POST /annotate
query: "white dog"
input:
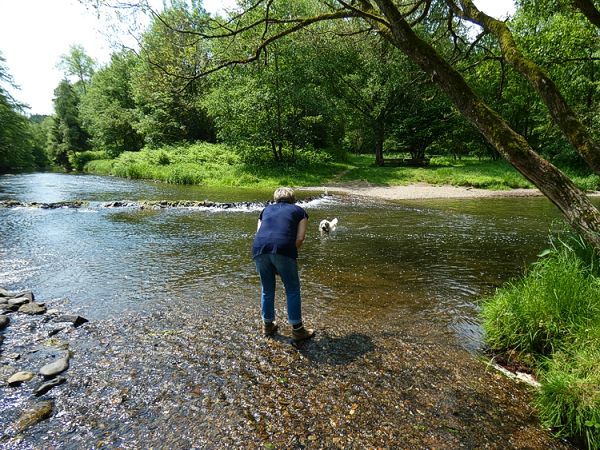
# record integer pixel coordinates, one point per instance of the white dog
(326, 226)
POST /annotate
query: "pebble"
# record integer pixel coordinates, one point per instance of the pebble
(18, 301)
(32, 308)
(55, 367)
(34, 415)
(19, 378)
(6, 372)
(3, 321)
(71, 318)
(47, 385)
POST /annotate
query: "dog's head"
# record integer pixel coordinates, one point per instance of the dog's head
(325, 226)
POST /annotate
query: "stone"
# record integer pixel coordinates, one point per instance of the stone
(19, 378)
(47, 385)
(4, 293)
(6, 372)
(71, 318)
(32, 308)
(18, 301)
(5, 308)
(55, 331)
(3, 300)
(27, 294)
(4, 320)
(55, 367)
(34, 415)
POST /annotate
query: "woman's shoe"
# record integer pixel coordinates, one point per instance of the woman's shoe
(269, 328)
(301, 334)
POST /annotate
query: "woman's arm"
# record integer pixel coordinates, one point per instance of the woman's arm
(301, 234)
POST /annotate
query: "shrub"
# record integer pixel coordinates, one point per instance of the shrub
(569, 398)
(537, 314)
(78, 160)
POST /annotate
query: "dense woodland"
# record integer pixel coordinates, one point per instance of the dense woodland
(336, 87)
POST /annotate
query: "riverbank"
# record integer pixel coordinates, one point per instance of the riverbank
(420, 191)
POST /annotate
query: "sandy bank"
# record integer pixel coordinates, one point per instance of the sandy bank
(421, 191)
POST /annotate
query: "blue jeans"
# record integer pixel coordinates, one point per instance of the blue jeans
(268, 265)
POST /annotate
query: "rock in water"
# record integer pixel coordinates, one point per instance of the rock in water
(18, 301)
(55, 367)
(3, 321)
(32, 308)
(6, 372)
(19, 378)
(71, 318)
(46, 386)
(34, 415)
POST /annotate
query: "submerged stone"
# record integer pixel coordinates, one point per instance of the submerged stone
(6, 372)
(55, 367)
(32, 308)
(4, 320)
(47, 385)
(19, 378)
(72, 318)
(34, 415)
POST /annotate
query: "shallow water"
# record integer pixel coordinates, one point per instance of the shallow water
(386, 260)
(172, 295)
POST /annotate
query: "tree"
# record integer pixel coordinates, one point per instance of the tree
(16, 147)
(168, 105)
(409, 28)
(108, 108)
(78, 64)
(67, 134)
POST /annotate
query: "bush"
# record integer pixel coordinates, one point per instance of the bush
(541, 312)
(569, 398)
(78, 160)
(551, 319)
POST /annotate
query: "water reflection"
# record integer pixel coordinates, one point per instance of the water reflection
(386, 261)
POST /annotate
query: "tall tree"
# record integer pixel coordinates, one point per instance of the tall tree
(171, 55)
(16, 147)
(79, 65)
(108, 108)
(67, 134)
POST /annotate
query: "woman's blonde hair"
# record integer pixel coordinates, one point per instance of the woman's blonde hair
(284, 194)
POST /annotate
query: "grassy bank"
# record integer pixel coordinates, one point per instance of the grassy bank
(550, 321)
(220, 165)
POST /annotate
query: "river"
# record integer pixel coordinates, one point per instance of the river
(172, 356)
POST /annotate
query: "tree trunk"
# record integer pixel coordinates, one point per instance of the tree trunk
(572, 202)
(588, 8)
(379, 140)
(566, 119)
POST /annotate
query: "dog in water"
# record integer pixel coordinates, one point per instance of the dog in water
(327, 226)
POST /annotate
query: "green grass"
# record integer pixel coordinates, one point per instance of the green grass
(471, 172)
(550, 320)
(221, 165)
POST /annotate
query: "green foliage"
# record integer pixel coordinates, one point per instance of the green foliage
(546, 310)
(569, 398)
(78, 160)
(551, 318)
(167, 103)
(17, 146)
(108, 109)
(67, 134)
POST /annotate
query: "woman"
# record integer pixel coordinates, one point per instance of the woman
(280, 233)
